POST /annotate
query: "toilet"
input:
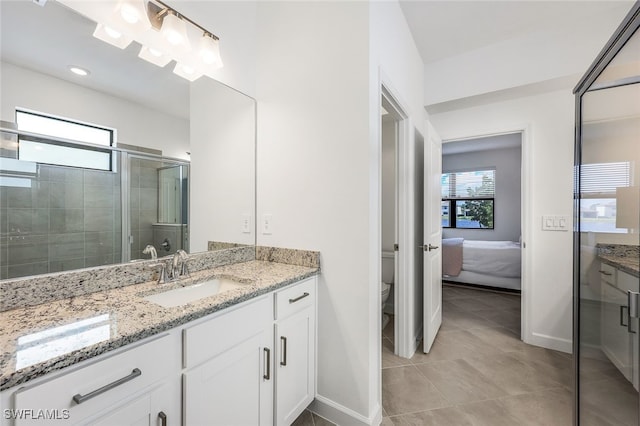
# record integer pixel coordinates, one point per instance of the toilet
(386, 284)
(385, 295)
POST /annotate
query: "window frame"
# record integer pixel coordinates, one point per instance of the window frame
(67, 142)
(452, 200)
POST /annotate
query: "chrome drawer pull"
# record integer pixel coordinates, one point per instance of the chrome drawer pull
(283, 343)
(622, 315)
(305, 294)
(605, 272)
(267, 375)
(79, 399)
(163, 418)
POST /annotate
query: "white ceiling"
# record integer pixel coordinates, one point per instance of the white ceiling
(442, 29)
(48, 39)
(511, 140)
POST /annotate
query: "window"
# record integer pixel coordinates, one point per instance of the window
(66, 146)
(598, 185)
(468, 199)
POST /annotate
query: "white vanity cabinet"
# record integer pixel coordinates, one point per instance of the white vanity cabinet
(249, 364)
(132, 386)
(229, 376)
(619, 340)
(295, 351)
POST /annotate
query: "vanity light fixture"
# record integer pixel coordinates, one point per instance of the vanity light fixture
(174, 29)
(79, 71)
(111, 36)
(209, 50)
(154, 56)
(163, 33)
(187, 71)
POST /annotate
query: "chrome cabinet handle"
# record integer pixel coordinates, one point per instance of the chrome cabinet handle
(79, 399)
(605, 273)
(283, 345)
(622, 309)
(298, 298)
(163, 418)
(267, 358)
(632, 312)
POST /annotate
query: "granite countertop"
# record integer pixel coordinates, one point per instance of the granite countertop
(630, 265)
(39, 339)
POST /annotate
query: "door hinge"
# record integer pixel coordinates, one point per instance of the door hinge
(396, 247)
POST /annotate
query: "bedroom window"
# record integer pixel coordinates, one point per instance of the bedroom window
(600, 186)
(468, 199)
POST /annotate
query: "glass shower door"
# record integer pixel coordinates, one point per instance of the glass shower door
(607, 240)
(156, 200)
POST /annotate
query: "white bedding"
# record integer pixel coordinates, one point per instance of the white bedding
(488, 263)
(498, 258)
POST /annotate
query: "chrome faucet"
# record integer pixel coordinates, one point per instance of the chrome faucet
(149, 249)
(180, 258)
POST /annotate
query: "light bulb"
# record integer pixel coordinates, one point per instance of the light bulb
(187, 72)
(209, 50)
(174, 30)
(129, 13)
(112, 33)
(154, 56)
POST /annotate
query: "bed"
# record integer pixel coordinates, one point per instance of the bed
(485, 263)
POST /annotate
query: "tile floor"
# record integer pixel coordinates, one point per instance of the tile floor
(478, 371)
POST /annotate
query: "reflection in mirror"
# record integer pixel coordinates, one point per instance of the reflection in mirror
(180, 161)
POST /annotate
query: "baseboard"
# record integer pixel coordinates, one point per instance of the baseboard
(343, 416)
(550, 342)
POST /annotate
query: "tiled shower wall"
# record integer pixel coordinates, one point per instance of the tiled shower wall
(68, 219)
(143, 204)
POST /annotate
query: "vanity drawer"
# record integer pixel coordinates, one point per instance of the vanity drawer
(627, 282)
(295, 298)
(110, 380)
(219, 332)
(607, 274)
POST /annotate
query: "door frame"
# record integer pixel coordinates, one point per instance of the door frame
(404, 344)
(526, 164)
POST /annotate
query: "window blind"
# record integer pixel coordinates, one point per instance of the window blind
(604, 178)
(473, 184)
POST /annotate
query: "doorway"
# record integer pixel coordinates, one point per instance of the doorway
(482, 220)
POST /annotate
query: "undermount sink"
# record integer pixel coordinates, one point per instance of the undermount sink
(183, 295)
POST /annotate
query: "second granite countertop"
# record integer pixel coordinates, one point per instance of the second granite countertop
(40, 339)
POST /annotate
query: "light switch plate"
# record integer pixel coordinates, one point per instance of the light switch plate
(267, 224)
(556, 223)
(246, 224)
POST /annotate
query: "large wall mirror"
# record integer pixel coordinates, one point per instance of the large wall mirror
(95, 167)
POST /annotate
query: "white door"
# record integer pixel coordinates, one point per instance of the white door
(432, 254)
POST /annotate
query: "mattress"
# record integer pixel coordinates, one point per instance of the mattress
(497, 258)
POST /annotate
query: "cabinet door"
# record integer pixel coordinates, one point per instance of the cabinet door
(151, 409)
(616, 340)
(233, 388)
(295, 365)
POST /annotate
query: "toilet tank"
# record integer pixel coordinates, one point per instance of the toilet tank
(388, 266)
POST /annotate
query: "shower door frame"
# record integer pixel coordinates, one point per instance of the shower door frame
(125, 178)
(623, 33)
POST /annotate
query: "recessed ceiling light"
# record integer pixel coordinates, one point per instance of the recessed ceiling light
(78, 70)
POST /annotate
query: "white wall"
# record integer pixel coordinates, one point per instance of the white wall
(313, 173)
(319, 156)
(136, 124)
(507, 198)
(222, 165)
(548, 121)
